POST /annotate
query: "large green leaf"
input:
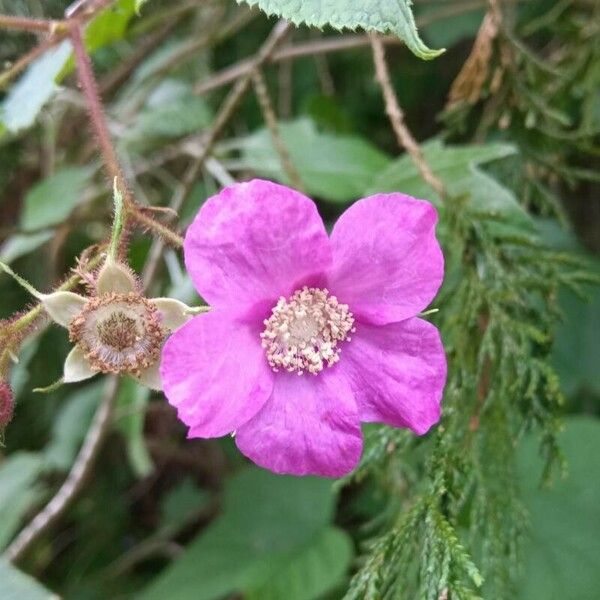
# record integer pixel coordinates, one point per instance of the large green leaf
(309, 572)
(52, 200)
(18, 474)
(459, 168)
(454, 165)
(16, 585)
(339, 168)
(27, 97)
(266, 520)
(384, 16)
(172, 111)
(20, 244)
(561, 557)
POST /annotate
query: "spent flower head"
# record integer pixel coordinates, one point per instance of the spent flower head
(115, 329)
(308, 334)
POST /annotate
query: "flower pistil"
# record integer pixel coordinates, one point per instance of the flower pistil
(302, 334)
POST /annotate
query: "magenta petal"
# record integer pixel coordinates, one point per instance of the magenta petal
(254, 242)
(309, 426)
(387, 263)
(214, 372)
(397, 372)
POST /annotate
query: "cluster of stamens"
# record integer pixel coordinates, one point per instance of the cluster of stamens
(303, 333)
(118, 333)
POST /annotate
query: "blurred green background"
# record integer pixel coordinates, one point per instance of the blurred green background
(163, 517)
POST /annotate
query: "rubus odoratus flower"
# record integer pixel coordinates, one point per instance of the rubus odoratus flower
(308, 335)
(116, 330)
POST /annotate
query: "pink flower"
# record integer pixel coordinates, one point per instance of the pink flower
(308, 334)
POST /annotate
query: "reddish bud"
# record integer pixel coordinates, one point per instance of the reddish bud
(7, 404)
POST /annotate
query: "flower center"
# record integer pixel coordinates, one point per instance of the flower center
(118, 332)
(302, 333)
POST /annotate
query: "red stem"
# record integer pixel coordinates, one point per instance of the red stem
(94, 105)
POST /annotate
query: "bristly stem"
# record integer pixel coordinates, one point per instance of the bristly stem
(94, 105)
(131, 210)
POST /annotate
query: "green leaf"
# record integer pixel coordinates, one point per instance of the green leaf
(173, 119)
(310, 572)
(110, 25)
(561, 557)
(130, 415)
(16, 585)
(454, 165)
(51, 201)
(28, 96)
(18, 474)
(181, 503)
(20, 245)
(384, 16)
(459, 168)
(577, 343)
(492, 202)
(339, 168)
(265, 518)
(70, 426)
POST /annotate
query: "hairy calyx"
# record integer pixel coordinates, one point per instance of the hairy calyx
(303, 333)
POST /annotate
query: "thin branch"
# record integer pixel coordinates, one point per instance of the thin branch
(29, 24)
(75, 481)
(227, 110)
(292, 51)
(264, 100)
(284, 88)
(396, 116)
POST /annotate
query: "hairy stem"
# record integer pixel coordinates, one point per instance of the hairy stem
(94, 105)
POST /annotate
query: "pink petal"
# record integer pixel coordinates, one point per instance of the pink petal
(309, 426)
(397, 372)
(214, 371)
(253, 243)
(387, 263)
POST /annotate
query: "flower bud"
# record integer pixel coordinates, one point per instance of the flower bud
(115, 277)
(7, 404)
